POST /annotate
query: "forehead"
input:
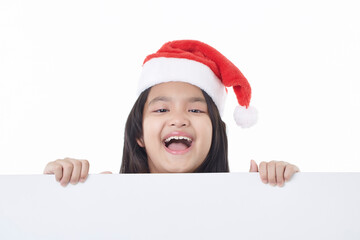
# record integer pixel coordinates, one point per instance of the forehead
(179, 90)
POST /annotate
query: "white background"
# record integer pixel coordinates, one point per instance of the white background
(69, 69)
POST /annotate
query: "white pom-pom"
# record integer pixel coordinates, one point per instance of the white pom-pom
(245, 117)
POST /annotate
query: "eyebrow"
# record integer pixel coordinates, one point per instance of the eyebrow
(159, 99)
(168, 99)
(197, 99)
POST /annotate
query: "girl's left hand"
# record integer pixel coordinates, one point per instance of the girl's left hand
(274, 172)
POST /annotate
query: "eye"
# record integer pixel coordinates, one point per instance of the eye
(195, 111)
(162, 110)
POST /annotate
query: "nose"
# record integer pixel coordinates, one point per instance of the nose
(179, 119)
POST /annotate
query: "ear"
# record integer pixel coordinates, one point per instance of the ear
(140, 142)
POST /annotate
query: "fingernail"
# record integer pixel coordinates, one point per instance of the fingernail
(64, 184)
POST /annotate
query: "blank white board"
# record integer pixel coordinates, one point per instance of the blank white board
(181, 206)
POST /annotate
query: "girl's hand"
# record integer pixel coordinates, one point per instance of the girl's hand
(68, 170)
(274, 172)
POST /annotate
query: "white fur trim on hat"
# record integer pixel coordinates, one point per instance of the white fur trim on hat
(245, 117)
(162, 69)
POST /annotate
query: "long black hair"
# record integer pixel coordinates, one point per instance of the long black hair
(135, 159)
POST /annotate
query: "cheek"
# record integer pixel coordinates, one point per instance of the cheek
(209, 131)
(205, 131)
(151, 130)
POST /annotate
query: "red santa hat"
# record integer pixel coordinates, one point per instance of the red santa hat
(201, 65)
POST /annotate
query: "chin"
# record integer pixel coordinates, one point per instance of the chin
(176, 169)
(173, 164)
(179, 169)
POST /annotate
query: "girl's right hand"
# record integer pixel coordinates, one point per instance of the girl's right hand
(68, 170)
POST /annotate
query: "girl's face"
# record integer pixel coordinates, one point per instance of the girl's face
(177, 130)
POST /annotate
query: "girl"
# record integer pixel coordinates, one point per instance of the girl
(175, 124)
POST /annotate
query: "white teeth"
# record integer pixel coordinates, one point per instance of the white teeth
(177, 138)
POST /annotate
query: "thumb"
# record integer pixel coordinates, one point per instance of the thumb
(253, 166)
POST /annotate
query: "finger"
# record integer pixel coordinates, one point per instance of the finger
(106, 172)
(75, 175)
(263, 172)
(289, 171)
(54, 168)
(67, 171)
(271, 173)
(280, 168)
(253, 166)
(84, 170)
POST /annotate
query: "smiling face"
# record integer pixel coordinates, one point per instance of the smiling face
(177, 129)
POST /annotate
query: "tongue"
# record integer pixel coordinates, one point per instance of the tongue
(177, 146)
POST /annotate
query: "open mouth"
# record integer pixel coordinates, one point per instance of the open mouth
(178, 143)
